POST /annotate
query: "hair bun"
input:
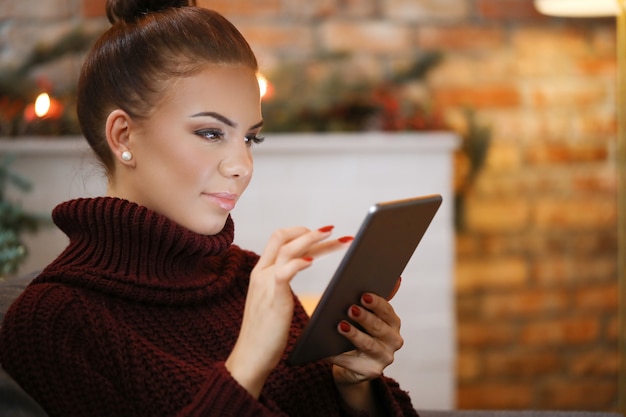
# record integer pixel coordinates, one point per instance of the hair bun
(131, 10)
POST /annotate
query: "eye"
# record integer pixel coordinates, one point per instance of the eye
(210, 134)
(253, 139)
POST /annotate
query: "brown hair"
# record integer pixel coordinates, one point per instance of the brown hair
(151, 44)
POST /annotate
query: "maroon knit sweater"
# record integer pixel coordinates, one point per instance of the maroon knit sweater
(136, 318)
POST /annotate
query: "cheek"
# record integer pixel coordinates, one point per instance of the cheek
(173, 169)
(197, 167)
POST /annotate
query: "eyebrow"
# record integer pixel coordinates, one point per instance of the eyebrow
(223, 119)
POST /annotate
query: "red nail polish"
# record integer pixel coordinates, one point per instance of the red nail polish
(355, 311)
(368, 299)
(308, 258)
(345, 239)
(344, 326)
(325, 229)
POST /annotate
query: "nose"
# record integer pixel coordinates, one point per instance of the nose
(237, 161)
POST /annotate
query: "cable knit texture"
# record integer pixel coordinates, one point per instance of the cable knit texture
(136, 318)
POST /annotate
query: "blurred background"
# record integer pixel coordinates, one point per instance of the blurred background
(534, 101)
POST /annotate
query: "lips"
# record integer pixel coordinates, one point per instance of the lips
(226, 201)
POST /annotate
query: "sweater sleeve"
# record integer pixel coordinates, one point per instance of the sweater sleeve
(70, 365)
(396, 402)
(223, 396)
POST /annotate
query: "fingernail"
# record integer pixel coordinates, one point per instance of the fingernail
(308, 258)
(326, 229)
(368, 299)
(344, 326)
(355, 311)
(346, 239)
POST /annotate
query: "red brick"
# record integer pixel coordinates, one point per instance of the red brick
(594, 66)
(93, 8)
(525, 304)
(494, 274)
(25, 13)
(238, 8)
(562, 332)
(495, 244)
(468, 307)
(575, 214)
(573, 94)
(556, 271)
(553, 271)
(601, 181)
(460, 37)
(596, 268)
(599, 362)
(468, 365)
(495, 395)
(488, 96)
(602, 298)
(331, 9)
(554, 46)
(504, 158)
(613, 329)
(372, 36)
(278, 37)
(508, 10)
(552, 154)
(426, 11)
(590, 394)
(522, 364)
(480, 335)
(497, 215)
(466, 244)
(597, 123)
(602, 246)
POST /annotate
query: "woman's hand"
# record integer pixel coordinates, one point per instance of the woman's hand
(269, 304)
(375, 351)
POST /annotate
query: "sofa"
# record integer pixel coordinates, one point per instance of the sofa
(15, 402)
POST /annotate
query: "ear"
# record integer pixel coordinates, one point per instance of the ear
(118, 135)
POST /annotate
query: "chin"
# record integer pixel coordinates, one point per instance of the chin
(211, 229)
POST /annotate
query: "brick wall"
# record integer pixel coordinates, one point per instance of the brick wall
(536, 285)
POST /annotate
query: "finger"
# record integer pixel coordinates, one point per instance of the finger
(287, 271)
(299, 246)
(376, 327)
(381, 308)
(278, 238)
(367, 345)
(330, 246)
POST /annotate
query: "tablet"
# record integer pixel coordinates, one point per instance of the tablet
(373, 263)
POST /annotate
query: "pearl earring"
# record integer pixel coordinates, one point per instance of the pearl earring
(127, 156)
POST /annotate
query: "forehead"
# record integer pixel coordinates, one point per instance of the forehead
(214, 85)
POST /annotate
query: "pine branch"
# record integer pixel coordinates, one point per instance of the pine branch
(75, 41)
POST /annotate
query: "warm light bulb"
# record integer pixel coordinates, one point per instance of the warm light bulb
(42, 105)
(262, 84)
(578, 8)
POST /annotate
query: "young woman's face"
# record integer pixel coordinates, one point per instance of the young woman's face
(192, 157)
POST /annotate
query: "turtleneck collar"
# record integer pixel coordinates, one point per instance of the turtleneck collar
(125, 242)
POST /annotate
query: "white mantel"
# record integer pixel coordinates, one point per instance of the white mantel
(311, 180)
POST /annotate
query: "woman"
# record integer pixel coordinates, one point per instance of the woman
(151, 310)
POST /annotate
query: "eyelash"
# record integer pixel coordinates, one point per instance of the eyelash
(215, 134)
(254, 139)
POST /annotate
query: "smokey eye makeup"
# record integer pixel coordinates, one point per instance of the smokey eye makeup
(254, 139)
(210, 134)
